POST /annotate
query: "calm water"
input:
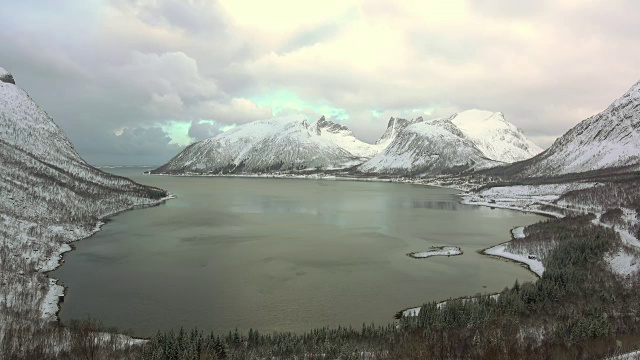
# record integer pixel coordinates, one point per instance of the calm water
(282, 254)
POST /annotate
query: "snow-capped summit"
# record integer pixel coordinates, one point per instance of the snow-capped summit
(287, 143)
(498, 139)
(40, 167)
(394, 126)
(24, 125)
(6, 76)
(342, 136)
(469, 140)
(606, 140)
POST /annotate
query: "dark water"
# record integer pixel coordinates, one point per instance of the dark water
(282, 254)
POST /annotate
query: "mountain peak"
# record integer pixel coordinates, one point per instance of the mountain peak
(633, 94)
(329, 125)
(606, 140)
(6, 77)
(287, 144)
(466, 140)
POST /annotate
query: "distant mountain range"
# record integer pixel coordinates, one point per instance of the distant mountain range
(465, 141)
(275, 145)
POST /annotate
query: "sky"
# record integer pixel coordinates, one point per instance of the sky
(134, 82)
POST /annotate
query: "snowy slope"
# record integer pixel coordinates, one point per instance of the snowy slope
(279, 144)
(48, 197)
(395, 126)
(469, 140)
(498, 139)
(6, 76)
(606, 140)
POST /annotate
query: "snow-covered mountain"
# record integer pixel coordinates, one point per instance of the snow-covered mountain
(288, 143)
(38, 158)
(395, 126)
(469, 140)
(498, 139)
(610, 139)
(48, 197)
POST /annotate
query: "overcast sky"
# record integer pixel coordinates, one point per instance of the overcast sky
(133, 82)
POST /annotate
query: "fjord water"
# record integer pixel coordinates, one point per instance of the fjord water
(282, 254)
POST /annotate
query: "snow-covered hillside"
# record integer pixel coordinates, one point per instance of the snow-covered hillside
(48, 197)
(288, 143)
(606, 140)
(394, 127)
(498, 139)
(468, 140)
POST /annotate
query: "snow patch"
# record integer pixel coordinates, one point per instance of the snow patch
(623, 263)
(437, 251)
(518, 232)
(534, 265)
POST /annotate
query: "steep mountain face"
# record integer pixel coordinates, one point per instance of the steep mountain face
(466, 141)
(608, 140)
(38, 158)
(277, 144)
(6, 76)
(395, 126)
(48, 197)
(498, 139)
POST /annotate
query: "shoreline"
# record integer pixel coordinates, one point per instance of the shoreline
(403, 180)
(466, 199)
(436, 251)
(60, 291)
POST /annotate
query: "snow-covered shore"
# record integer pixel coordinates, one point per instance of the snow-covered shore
(540, 199)
(415, 311)
(436, 251)
(38, 250)
(51, 305)
(532, 264)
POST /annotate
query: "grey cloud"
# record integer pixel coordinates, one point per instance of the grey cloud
(508, 8)
(159, 61)
(311, 36)
(202, 130)
(193, 16)
(138, 146)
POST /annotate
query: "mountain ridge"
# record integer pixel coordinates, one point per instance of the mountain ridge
(265, 146)
(466, 141)
(607, 140)
(288, 143)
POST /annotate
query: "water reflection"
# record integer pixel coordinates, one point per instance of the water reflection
(273, 204)
(428, 204)
(285, 255)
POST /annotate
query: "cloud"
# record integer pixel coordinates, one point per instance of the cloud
(200, 130)
(137, 146)
(190, 67)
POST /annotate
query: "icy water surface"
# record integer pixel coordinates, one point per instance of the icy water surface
(282, 254)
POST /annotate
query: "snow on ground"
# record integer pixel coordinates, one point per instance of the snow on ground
(623, 263)
(416, 310)
(518, 233)
(634, 355)
(437, 251)
(532, 198)
(546, 191)
(625, 235)
(534, 265)
(529, 198)
(526, 205)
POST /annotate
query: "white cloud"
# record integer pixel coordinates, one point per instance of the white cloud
(236, 110)
(143, 63)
